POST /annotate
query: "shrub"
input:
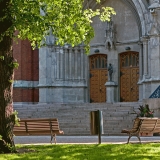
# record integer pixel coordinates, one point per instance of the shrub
(144, 111)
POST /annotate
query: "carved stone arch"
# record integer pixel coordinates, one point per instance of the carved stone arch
(142, 11)
(146, 3)
(138, 8)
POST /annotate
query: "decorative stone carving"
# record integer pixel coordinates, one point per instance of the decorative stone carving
(154, 26)
(110, 35)
(110, 70)
(50, 39)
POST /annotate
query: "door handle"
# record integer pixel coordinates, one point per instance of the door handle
(131, 88)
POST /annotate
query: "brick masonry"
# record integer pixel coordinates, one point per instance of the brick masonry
(26, 95)
(28, 70)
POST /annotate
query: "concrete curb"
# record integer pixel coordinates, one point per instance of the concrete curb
(83, 139)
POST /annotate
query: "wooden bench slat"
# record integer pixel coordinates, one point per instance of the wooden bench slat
(39, 119)
(42, 122)
(38, 127)
(148, 126)
(149, 123)
(30, 125)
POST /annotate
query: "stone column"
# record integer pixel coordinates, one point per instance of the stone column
(61, 59)
(155, 57)
(57, 56)
(82, 62)
(145, 57)
(53, 64)
(86, 76)
(66, 71)
(76, 64)
(141, 62)
(42, 74)
(70, 63)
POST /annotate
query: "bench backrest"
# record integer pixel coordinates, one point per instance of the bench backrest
(36, 127)
(149, 125)
(136, 125)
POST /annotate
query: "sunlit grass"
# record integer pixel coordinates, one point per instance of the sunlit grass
(150, 151)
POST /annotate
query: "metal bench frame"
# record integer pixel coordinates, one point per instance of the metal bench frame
(143, 125)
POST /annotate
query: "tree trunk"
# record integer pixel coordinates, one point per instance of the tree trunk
(6, 80)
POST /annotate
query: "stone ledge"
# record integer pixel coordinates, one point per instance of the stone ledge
(25, 84)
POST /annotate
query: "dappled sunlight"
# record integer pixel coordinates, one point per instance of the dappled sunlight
(150, 151)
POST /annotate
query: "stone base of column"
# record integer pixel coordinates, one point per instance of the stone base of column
(110, 90)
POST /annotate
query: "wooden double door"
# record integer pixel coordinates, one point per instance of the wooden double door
(129, 75)
(98, 78)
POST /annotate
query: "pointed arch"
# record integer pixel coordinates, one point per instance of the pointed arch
(139, 9)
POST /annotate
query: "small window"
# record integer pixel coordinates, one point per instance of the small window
(129, 59)
(98, 61)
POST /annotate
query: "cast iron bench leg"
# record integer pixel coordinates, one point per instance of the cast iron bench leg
(55, 138)
(130, 135)
(53, 135)
(138, 138)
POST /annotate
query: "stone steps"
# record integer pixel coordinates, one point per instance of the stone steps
(74, 119)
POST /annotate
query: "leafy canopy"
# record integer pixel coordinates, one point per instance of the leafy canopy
(67, 19)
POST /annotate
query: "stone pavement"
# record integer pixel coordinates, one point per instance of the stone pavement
(82, 139)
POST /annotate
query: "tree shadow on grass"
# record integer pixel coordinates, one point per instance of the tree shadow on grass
(90, 152)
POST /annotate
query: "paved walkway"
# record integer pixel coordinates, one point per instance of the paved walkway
(82, 139)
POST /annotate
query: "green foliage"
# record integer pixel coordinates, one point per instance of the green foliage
(7, 145)
(68, 20)
(144, 111)
(87, 152)
(10, 147)
(14, 65)
(106, 13)
(16, 119)
(1, 57)
(11, 81)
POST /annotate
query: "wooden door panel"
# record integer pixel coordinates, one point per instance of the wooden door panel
(97, 85)
(103, 80)
(98, 77)
(134, 86)
(129, 74)
(125, 85)
(94, 83)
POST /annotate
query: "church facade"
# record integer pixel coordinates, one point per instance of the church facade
(123, 64)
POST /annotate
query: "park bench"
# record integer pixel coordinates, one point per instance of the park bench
(37, 127)
(143, 125)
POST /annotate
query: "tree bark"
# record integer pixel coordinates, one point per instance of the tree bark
(6, 80)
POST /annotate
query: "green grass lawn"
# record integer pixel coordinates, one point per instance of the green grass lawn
(150, 151)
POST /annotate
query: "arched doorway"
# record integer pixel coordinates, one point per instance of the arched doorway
(98, 78)
(129, 75)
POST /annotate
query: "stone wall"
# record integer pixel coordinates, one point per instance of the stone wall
(63, 74)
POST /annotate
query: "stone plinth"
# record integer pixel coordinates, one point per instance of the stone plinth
(110, 89)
